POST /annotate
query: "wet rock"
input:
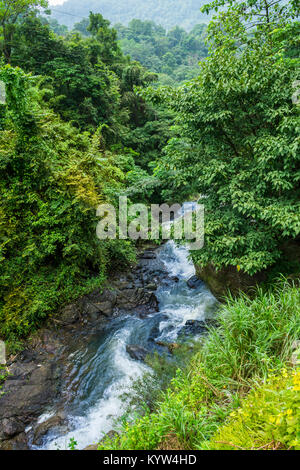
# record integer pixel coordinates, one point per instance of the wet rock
(155, 331)
(196, 327)
(106, 308)
(228, 278)
(148, 255)
(137, 352)
(125, 285)
(29, 388)
(99, 304)
(153, 303)
(18, 442)
(150, 306)
(56, 423)
(151, 287)
(27, 356)
(194, 282)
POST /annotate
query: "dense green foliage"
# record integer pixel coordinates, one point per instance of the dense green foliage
(253, 338)
(89, 82)
(51, 180)
(238, 142)
(175, 54)
(168, 13)
(10, 13)
(70, 138)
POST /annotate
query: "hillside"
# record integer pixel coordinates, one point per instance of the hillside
(168, 13)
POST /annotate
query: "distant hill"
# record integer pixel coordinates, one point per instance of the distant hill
(168, 13)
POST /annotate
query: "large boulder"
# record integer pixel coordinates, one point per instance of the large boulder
(194, 327)
(136, 352)
(197, 327)
(228, 279)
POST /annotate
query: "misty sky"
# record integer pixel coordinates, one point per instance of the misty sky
(56, 2)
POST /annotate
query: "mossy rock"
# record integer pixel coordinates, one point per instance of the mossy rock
(228, 279)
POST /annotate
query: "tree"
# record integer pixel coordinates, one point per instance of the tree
(10, 12)
(248, 21)
(239, 146)
(52, 178)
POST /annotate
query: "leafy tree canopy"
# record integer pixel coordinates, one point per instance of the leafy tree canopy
(239, 143)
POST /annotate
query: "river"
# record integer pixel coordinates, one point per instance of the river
(102, 370)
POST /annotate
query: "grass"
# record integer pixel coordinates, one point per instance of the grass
(254, 340)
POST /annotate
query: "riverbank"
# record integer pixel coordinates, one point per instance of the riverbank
(255, 349)
(36, 375)
(69, 381)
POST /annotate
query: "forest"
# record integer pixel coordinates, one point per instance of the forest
(174, 55)
(193, 111)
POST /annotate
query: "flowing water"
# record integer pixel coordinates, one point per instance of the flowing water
(103, 370)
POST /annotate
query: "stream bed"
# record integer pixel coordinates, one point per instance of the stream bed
(101, 370)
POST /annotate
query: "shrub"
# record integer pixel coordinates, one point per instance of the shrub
(269, 417)
(51, 180)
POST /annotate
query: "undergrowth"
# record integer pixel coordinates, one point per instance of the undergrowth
(249, 349)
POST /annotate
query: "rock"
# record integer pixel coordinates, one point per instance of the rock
(69, 315)
(56, 422)
(149, 307)
(29, 388)
(99, 304)
(148, 255)
(151, 287)
(228, 278)
(18, 442)
(105, 308)
(173, 346)
(137, 352)
(194, 282)
(196, 327)
(295, 359)
(155, 331)
(92, 312)
(92, 447)
(153, 303)
(11, 427)
(125, 285)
